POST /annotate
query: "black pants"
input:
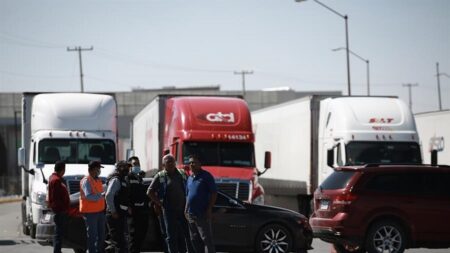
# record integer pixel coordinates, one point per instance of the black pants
(60, 220)
(138, 226)
(117, 236)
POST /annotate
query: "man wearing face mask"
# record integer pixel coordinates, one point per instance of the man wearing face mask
(117, 207)
(92, 206)
(138, 221)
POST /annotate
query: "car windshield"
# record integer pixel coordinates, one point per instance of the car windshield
(359, 153)
(76, 151)
(220, 153)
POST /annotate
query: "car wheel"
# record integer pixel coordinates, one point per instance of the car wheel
(386, 236)
(273, 238)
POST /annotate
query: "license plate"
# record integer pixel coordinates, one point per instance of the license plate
(324, 204)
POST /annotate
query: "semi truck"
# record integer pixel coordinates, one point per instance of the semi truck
(218, 129)
(433, 131)
(309, 136)
(71, 127)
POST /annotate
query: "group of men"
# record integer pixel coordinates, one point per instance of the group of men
(183, 204)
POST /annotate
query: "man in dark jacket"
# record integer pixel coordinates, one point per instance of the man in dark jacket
(117, 205)
(138, 221)
(58, 200)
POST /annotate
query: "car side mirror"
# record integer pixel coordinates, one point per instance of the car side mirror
(330, 158)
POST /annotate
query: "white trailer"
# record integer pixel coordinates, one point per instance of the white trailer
(433, 132)
(309, 134)
(71, 127)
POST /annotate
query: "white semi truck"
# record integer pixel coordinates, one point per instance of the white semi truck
(71, 127)
(309, 136)
(433, 132)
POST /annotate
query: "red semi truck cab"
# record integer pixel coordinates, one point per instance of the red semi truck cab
(218, 129)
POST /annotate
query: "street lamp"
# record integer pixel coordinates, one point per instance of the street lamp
(345, 17)
(367, 65)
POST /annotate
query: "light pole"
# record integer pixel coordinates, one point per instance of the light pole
(345, 17)
(362, 59)
(438, 75)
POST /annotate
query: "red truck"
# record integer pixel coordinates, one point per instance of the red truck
(216, 128)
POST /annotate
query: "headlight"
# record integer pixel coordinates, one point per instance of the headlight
(40, 198)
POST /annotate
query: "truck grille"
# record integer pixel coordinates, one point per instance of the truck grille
(239, 190)
(74, 186)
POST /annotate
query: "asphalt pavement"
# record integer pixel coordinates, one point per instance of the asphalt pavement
(13, 241)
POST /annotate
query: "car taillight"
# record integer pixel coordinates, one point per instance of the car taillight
(345, 198)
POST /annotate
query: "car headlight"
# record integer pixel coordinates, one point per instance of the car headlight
(40, 198)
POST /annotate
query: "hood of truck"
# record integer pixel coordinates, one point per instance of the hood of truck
(72, 170)
(220, 172)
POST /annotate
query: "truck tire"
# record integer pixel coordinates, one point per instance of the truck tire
(386, 235)
(33, 231)
(25, 228)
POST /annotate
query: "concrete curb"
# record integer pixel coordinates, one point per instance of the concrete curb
(9, 199)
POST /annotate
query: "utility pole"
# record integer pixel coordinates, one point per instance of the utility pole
(79, 49)
(439, 85)
(410, 85)
(243, 73)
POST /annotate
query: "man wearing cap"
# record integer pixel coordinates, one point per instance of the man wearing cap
(92, 206)
(117, 207)
(58, 201)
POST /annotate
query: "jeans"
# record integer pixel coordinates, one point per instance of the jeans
(177, 232)
(117, 229)
(95, 226)
(201, 234)
(60, 220)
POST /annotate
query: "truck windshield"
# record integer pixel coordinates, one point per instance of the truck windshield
(359, 153)
(220, 153)
(76, 151)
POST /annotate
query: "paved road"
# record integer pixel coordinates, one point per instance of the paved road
(13, 241)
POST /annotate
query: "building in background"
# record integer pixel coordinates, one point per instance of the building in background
(128, 105)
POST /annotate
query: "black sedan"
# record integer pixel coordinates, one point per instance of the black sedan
(237, 227)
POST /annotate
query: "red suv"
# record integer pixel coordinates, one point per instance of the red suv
(384, 208)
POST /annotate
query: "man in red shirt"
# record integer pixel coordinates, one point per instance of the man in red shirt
(58, 200)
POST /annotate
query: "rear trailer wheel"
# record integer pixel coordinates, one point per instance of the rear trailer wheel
(273, 238)
(386, 237)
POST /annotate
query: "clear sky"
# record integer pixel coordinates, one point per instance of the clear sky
(156, 43)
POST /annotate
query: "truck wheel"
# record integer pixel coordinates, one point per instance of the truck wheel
(33, 231)
(386, 236)
(25, 229)
(273, 238)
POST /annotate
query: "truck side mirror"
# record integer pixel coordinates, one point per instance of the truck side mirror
(330, 158)
(434, 157)
(21, 157)
(267, 160)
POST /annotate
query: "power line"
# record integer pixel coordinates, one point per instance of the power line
(27, 42)
(79, 50)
